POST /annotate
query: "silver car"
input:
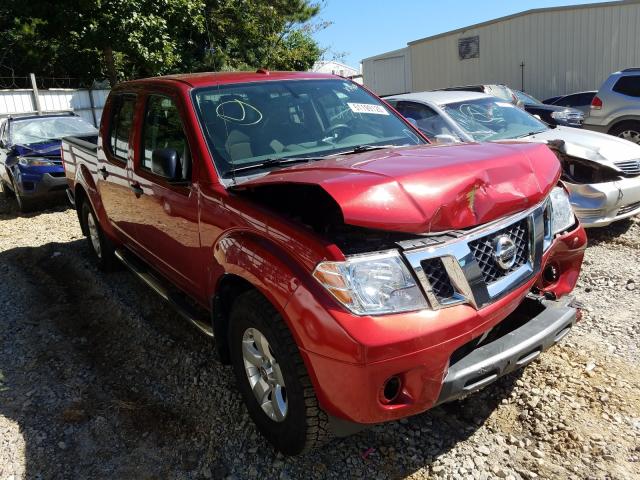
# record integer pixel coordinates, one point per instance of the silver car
(616, 107)
(601, 172)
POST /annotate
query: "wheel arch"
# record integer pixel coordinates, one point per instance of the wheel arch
(625, 119)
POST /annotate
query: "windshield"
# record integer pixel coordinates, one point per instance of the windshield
(526, 99)
(249, 123)
(487, 119)
(38, 130)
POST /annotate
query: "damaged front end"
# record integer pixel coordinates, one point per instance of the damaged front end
(601, 191)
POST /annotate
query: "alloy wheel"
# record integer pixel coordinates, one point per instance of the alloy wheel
(264, 375)
(631, 135)
(94, 235)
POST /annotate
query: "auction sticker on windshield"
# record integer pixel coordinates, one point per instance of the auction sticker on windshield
(367, 108)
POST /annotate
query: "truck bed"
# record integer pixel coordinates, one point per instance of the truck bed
(77, 150)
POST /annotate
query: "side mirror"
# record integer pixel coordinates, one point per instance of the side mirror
(520, 104)
(446, 139)
(164, 162)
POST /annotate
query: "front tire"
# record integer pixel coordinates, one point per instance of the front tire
(25, 205)
(627, 130)
(100, 246)
(272, 378)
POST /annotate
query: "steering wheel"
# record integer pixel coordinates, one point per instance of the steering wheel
(338, 131)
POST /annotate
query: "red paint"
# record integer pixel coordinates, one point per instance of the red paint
(196, 235)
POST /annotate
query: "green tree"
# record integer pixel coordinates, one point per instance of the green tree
(248, 34)
(123, 39)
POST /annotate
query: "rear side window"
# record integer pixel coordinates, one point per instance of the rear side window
(121, 124)
(576, 100)
(163, 129)
(628, 86)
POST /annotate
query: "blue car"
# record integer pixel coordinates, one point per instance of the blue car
(30, 162)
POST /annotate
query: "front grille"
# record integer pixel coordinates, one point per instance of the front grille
(56, 174)
(460, 268)
(630, 167)
(438, 278)
(629, 208)
(483, 250)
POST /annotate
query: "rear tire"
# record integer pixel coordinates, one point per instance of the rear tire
(100, 246)
(304, 426)
(627, 130)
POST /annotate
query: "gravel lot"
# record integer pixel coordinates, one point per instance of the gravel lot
(98, 378)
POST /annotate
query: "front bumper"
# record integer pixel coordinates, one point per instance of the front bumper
(543, 324)
(425, 349)
(35, 185)
(599, 204)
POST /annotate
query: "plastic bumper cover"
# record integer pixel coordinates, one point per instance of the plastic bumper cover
(599, 204)
(485, 364)
(41, 184)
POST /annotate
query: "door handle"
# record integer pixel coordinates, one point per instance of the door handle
(103, 171)
(137, 189)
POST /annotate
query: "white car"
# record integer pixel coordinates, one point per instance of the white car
(601, 172)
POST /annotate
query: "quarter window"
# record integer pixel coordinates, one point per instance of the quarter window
(163, 129)
(628, 86)
(121, 125)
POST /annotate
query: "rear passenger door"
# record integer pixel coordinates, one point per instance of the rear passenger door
(115, 156)
(166, 210)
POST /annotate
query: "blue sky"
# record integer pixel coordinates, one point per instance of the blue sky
(364, 28)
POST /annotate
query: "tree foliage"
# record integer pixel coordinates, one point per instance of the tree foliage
(123, 39)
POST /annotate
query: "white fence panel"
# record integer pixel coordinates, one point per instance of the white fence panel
(21, 102)
(16, 101)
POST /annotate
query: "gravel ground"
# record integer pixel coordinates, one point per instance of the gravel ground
(98, 378)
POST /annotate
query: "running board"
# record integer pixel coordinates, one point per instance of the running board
(174, 299)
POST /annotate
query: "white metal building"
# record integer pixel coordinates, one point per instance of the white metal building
(546, 52)
(335, 68)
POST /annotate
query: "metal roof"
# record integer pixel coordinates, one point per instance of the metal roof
(439, 97)
(218, 78)
(527, 12)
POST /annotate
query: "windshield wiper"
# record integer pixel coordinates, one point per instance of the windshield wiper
(273, 162)
(367, 148)
(529, 134)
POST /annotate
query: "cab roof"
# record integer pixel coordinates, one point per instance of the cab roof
(206, 79)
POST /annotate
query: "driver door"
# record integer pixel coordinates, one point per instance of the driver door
(165, 210)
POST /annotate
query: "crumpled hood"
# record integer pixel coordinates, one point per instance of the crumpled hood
(47, 149)
(598, 147)
(428, 188)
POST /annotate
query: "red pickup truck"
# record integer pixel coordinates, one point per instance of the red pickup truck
(350, 273)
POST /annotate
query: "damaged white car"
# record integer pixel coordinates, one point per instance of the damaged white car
(601, 172)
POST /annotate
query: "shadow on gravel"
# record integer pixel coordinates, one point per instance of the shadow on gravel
(9, 207)
(104, 379)
(606, 234)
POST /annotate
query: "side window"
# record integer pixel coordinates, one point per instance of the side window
(121, 124)
(628, 86)
(163, 129)
(426, 119)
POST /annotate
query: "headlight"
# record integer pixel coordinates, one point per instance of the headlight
(372, 284)
(562, 216)
(35, 162)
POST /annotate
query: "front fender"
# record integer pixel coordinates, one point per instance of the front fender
(274, 272)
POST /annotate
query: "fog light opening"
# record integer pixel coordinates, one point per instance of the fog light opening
(551, 274)
(391, 389)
